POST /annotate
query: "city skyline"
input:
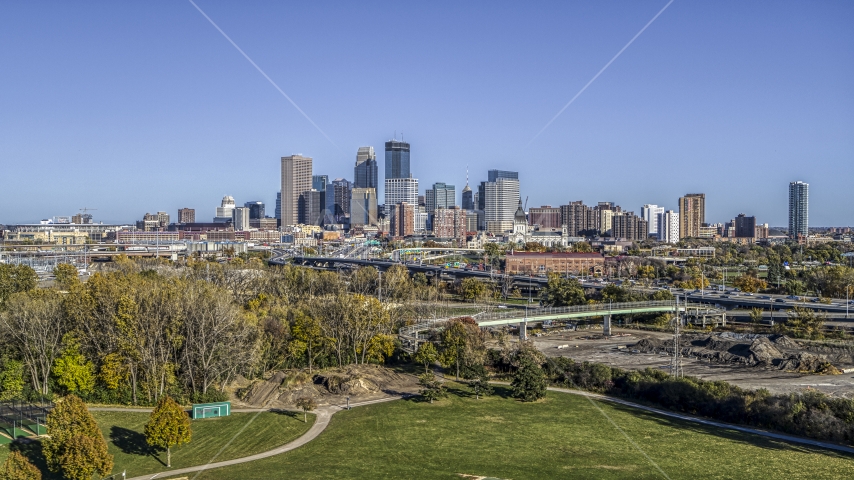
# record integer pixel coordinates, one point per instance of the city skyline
(751, 100)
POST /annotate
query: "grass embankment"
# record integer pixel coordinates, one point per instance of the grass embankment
(124, 434)
(562, 436)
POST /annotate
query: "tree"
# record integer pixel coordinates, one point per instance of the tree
(582, 247)
(481, 386)
(12, 380)
(472, 288)
(431, 387)
(749, 283)
(65, 451)
(306, 329)
(84, 456)
(17, 467)
(306, 404)
(167, 426)
(529, 381)
(66, 275)
(453, 343)
(802, 323)
(560, 292)
(73, 371)
(16, 279)
(426, 355)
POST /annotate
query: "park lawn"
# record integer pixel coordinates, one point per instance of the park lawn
(562, 436)
(126, 441)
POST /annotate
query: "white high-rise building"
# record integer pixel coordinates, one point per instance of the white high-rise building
(399, 190)
(224, 211)
(668, 226)
(240, 216)
(500, 203)
(650, 213)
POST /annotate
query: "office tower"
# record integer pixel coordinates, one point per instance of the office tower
(402, 219)
(396, 160)
(493, 175)
(186, 215)
(223, 212)
(628, 226)
(468, 198)
(419, 222)
(296, 180)
(692, 214)
(338, 194)
(668, 227)
(441, 195)
(745, 227)
(310, 212)
(650, 214)
(500, 202)
(545, 216)
(480, 204)
(279, 207)
(473, 220)
(319, 182)
(256, 209)
(799, 202)
(240, 218)
(363, 207)
(399, 190)
(366, 172)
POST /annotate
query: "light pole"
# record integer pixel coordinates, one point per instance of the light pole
(847, 301)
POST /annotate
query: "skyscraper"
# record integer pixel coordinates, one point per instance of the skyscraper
(256, 209)
(468, 198)
(441, 195)
(799, 206)
(310, 212)
(399, 190)
(279, 206)
(745, 227)
(319, 183)
(493, 175)
(296, 180)
(338, 194)
(223, 212)
(363, 207)
(692, 214)
(366, 172)
(240, 218)
(396, 159)
(186, 215)
(650, 214)
(500, 202)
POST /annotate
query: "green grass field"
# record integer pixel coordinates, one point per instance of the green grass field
(124, 434)
(563, 436)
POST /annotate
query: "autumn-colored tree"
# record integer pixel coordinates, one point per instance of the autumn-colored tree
(65, 451)
(306, 404)
(73, 371)
(66, 276)
(168, 425)
(749, 283)
(17, 467)
(426, 355)
(12, 380)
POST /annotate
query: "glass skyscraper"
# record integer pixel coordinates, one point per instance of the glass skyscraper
(396, 159)
(366, 171)
(496, 174)
(799, 206)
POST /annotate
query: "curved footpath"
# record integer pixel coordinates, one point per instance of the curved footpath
(324, 414)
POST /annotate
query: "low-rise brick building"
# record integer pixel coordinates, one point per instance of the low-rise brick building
(564, 263)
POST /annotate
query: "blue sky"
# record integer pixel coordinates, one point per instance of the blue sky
(138, 107)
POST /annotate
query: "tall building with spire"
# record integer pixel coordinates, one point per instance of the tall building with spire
(468, 195)
(397, 159)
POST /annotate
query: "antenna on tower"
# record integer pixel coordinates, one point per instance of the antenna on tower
(467, 175)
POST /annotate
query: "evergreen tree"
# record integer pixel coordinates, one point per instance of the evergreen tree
(431, 387)
(529, 381)
(167, 426)
(64, 451)
(17, 467)
(481, 386)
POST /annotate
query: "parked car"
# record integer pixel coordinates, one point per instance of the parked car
(780, 300)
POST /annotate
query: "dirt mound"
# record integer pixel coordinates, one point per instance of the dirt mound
(335, 385)
(763, 351)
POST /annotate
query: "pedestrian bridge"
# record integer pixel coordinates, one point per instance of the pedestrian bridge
(411, 335)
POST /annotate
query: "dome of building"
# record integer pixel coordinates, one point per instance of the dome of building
(520, 216)
(228, 201)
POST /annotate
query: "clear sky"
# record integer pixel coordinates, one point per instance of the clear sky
(135, 107)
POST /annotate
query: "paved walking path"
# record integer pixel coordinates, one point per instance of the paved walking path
(322, 417)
